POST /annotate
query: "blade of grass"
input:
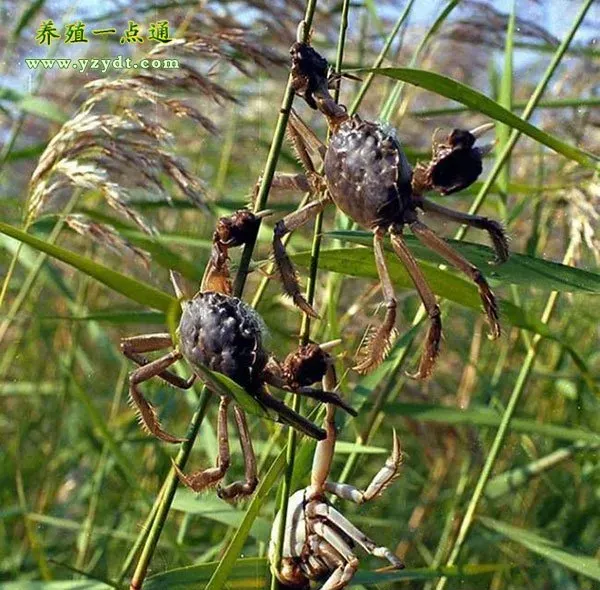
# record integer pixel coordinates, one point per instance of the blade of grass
(170, 485)
(581, 564)
(551, 103)
(507, 419)
(486, 417)
(131, 288)
(391, 102)
(384, 51)
(509, 481)
(250, 573)
(464, 94)
(519, 269)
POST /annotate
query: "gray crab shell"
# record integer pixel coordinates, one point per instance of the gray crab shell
(368, 175)
(226, 335)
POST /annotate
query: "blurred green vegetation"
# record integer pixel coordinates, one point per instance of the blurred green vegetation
(486, 500)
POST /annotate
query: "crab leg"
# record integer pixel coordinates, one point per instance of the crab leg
(284, 265)
(306, 142)
(434, 334)
(332, 516)
(242, 488)
(337, 549)
(132, 347)
(325, 450)
(494, 228)
(435, 243)
(288, 416)
(380, 342)
(329, 397)
(387, 474)
(291, 181)
(272, 378)
(202, 479)
(323, 456)
(341, 577)
(147, 413)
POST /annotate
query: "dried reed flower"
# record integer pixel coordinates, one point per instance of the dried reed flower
(125, 150)
(583, 205)
(106, 236)
(105, 152)
(486, 26)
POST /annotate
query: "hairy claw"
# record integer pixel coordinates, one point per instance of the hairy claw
(378, 344)
(431, 349)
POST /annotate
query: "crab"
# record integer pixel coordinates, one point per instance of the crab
(318, 540)
(222, 333)
(367, 176)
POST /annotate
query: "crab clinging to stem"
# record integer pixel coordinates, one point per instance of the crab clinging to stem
(222, 333)
(318, 540)
(367, 175)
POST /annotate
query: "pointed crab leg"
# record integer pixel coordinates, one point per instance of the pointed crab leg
(323, 456)
(135, 345)
(146, 410)
(379, 343)
(493, 228)
(238, 489)
(435, 243)
(330, 515)
(434, 334)
(285, 268)
(387, 474)
(204, 478)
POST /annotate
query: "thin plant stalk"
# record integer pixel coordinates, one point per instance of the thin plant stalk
(145, 529)
(170, 487)
(238, 288)
(271, 164)
(305, 328)
(475, 206)
(25, 290)
(384, 51)
(388, 108)
(85, 537)
(518, 389)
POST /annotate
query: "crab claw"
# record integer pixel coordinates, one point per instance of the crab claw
(481, 130)
(485, 149)
(327, 346)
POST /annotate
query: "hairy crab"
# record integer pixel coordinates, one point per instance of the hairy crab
(318, 540)
(367, 176)
(224, 334)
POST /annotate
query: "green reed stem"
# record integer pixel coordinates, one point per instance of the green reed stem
(518, 389)
(171, 482)
(271, 164)
(384, 51)
(169, 487)
(305, 328)
(23, 295)
(389, 107)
